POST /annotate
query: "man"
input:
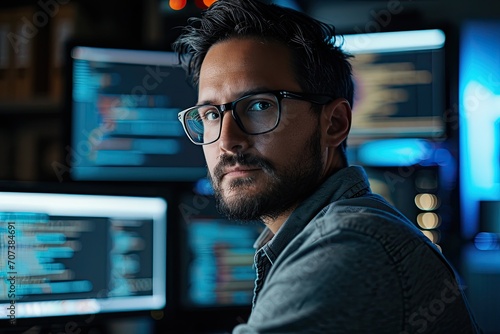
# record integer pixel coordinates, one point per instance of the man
(273, 115)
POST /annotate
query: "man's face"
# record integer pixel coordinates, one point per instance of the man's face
(266, 175)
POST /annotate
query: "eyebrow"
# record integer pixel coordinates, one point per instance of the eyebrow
(256, 90)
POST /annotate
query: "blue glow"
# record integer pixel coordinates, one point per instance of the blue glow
(393, 41)
(203, 187)
(154, 58)
(119, 158)
(51, 238)
(486, 241)
(55, 287)
(53, 267)
(157, 146)
(480, 261)
(448, 170)
(394, 152)
(288, 3)
(479, 94)
(60, 252)
(27, 217)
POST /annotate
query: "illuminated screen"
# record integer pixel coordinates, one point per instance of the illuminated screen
(124, 106)
(220, 264)
(65, 255)
(399, 84)
(479, 110)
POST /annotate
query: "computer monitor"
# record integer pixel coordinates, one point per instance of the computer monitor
(399, 80)
(220, 267)
(77, 254)
(216, 254)
(123, 105)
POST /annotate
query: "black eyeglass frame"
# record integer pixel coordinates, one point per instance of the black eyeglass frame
(319, 99)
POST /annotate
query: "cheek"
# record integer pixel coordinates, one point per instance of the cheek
(282, 147)
(210, 156)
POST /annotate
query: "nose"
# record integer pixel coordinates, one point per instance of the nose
(232, 138)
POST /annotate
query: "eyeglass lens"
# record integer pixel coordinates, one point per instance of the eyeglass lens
(254, 114)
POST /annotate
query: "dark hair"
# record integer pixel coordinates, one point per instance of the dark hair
(319, 63)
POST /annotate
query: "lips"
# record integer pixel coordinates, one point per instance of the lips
(238, 171)
(240, 165)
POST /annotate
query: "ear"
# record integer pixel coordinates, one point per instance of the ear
(335, 122)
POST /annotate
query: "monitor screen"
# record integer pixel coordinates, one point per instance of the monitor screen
(220, 267)
(124, 127)
(81, 254)
(217, 254)
(399, 80)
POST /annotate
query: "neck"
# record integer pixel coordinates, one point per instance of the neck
(275, 223)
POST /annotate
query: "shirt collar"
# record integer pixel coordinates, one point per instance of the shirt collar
(345, 183)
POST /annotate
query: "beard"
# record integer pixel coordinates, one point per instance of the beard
(284, 188)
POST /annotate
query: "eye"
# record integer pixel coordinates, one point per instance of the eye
(211, 115)
(260, 106)
(208, 113)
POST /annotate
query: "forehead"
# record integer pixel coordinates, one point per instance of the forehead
(237, 66)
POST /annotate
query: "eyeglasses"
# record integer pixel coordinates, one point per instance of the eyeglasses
(255, 114)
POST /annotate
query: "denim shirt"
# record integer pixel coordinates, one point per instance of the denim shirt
(346, 261)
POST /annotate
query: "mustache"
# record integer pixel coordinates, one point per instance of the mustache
(244, 160)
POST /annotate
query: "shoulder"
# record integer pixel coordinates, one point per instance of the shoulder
(333, 275)
(361, 256)
(366, 239)
(369, 216)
